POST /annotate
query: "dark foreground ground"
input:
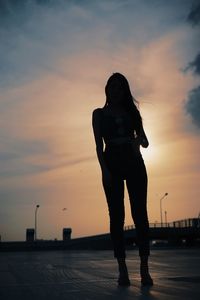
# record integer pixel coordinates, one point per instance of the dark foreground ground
(92, 275)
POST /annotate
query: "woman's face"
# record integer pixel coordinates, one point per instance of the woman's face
(115, 92)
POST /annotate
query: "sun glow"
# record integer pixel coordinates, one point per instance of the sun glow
(150, 154)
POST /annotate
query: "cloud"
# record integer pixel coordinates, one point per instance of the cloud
(194, 15)
(194, 65)
(8, 7)
(193, 106)
(51, 115)
(35, 34)
(194, 19)
(17, 157)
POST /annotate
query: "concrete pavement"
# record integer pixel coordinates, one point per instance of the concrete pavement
(92, 275)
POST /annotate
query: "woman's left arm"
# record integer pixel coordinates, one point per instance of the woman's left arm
(142, 138)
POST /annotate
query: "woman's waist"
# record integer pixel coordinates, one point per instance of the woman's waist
(122, 150)
(123, 156)
(120, 140)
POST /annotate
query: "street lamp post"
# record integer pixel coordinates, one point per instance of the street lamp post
(161, 219)
(36, 209)
(165, 218)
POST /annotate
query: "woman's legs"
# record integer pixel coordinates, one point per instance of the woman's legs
(123, 272)
(144, 271)
(115, 199)
(136, 182)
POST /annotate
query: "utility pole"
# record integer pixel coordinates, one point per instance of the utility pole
(161, 219)
(36, 209)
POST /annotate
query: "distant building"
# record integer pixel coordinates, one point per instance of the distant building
(30, 233)
(67, 234)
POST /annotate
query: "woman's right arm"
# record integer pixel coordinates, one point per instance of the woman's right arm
(96, 121)
(143, 138)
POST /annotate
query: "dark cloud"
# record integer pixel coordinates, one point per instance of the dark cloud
(35, 34)
(194, 15)
(16, 13)
(195, 65)
(192, 106)
(7, 6)
(28, 39)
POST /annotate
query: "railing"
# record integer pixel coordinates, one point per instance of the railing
(151, 225)
(192, 222)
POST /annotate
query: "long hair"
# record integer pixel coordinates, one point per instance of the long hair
(129, 102)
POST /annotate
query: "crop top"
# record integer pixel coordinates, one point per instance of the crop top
(117, 128)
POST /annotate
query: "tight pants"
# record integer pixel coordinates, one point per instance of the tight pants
(124, 165)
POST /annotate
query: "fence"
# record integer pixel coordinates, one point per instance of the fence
(192, 222)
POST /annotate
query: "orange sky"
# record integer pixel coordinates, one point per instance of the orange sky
(48, 151)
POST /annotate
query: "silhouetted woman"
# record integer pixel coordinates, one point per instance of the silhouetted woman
(118, 125)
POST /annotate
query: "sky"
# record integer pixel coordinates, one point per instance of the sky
(55, 59)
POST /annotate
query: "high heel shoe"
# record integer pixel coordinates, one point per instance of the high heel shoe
(146, 280)
(123, 281)
(145, 276)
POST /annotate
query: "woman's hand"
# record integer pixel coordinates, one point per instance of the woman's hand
(136, 145)
(142, 138)
(143, 141)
